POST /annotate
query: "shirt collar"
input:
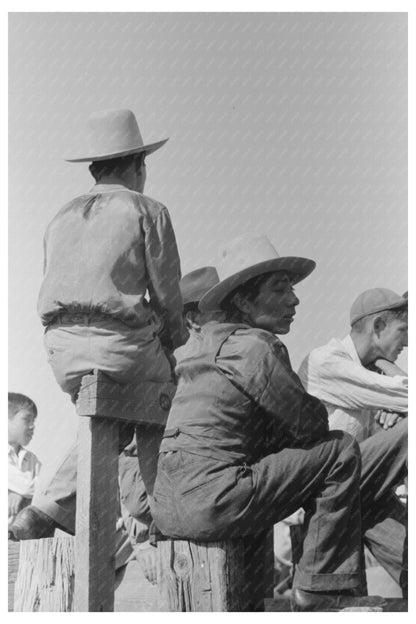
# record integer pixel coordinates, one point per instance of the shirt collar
(101, 188)
(350, 348)
(20, 452)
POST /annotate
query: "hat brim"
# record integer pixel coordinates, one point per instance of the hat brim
(297, 268)
(148, 149)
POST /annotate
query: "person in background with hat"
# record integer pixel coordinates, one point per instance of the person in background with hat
(193, 286)
(110, 297)
(363, 389)
(245, 445)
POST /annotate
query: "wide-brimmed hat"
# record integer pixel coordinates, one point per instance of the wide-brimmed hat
(195, 284)
(113, 133)
(247, 257)
(376, 300)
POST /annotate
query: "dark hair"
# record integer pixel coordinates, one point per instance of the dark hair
(191, 306)
(249, 290)
(114, 166)
(18, 402)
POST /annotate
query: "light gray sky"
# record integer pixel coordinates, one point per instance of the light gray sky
(290, 124)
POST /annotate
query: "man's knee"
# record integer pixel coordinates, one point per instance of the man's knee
(345, 450)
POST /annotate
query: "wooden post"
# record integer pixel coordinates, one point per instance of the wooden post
(45, 577)
(13, 548)
(198, 576)
(102, 403)
(97, 504)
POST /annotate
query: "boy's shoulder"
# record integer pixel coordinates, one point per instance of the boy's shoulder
(143, 204)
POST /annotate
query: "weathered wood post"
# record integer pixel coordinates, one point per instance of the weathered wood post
(96, 516)
(46, 572)
(101, 404)
(229, 575)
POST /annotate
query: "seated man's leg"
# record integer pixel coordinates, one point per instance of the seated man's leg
(384, 466)
(324, 480)
(55, 495)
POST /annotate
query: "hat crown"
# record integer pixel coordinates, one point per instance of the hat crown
(375, 300)
(244, 252)
(113, 130)
(195, 284)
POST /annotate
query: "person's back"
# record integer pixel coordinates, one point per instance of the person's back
(104, 250)
(110, 298)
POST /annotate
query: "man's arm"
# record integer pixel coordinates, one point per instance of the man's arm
(163, 268)
(389, 368)
(262, 370)
(303, 416)
(347, 384)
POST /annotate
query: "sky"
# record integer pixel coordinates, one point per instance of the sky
(292, 125)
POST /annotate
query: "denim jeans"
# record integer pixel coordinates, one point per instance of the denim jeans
(201, 498)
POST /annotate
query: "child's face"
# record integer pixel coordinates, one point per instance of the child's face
(21, 427)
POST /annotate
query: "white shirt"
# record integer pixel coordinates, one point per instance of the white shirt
(24, 467)
(351, 393)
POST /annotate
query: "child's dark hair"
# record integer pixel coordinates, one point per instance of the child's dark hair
(18, 402)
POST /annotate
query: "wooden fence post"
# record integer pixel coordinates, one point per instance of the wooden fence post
(45, 577)
(96, 516)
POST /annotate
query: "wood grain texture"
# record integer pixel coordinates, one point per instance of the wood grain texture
(13, 556)
(45, 578)
(196, 576)
(97, 504)
(141, 402)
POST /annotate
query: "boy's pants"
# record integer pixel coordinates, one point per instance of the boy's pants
(75, 346)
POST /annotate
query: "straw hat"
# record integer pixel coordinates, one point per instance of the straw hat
(113, 133)
(195, 284)
(246, 257)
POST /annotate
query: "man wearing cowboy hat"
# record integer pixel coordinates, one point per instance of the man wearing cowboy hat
(110, 297)
(245, 445)
(345, 376)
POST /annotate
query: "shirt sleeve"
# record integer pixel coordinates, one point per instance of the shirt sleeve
(347, 384)
(163, 267)
(264, 373)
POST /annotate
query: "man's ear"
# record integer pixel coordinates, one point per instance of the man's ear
(379, 324)
(241, 303)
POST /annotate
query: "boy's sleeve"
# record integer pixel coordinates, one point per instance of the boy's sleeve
(164, 273)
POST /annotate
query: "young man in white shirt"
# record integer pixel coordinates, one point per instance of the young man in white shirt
(366, 394)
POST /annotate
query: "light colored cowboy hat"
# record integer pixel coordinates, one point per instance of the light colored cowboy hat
(113, 133)
(247, 257)
(195, 284)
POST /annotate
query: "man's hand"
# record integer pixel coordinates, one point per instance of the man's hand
(146, 556)
(16, 502)
(388, 419)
